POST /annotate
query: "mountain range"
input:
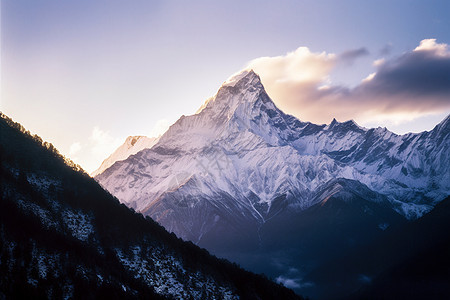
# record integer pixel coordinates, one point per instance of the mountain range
(278, 195)
(63, 237)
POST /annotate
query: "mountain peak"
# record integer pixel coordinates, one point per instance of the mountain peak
(333, 123)
(131, 140)
(242, 89)
(442, 130)
(445, 123)
(246, 75)
(349, 125)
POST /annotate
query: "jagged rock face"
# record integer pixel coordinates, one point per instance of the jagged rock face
(240, 161)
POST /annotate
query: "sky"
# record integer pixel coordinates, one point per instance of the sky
(86, 74)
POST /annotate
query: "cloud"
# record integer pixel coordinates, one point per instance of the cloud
(300, 65)
(288, 282)
(348, 57)
(414, 84)
(102, 143)
(94, 149)
(378, 62)
(74, 148)
(369, 77)
(160, 127)
(74, 151)
(293, 283)
(430, 45)
(386, 50)
(293, 79)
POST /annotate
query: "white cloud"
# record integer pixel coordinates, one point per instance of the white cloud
(431, 46)
(379, 62)
(102, 143)
(74, 148)
(301, 65)
(292, 79)
(292, 283)
(160, 127)
(369, 77)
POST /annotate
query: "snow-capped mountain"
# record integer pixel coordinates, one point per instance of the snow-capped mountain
(241, 159)
(132, 145)
(62, 236)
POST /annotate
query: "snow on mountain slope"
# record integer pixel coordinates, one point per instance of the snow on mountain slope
(62, 236)
(241, 159)
(132, 145)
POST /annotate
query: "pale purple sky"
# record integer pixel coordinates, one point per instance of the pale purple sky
(86, 74)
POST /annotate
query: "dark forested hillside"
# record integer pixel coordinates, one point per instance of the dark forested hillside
(62, 235)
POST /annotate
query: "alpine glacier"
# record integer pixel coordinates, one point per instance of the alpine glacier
(240, 160)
